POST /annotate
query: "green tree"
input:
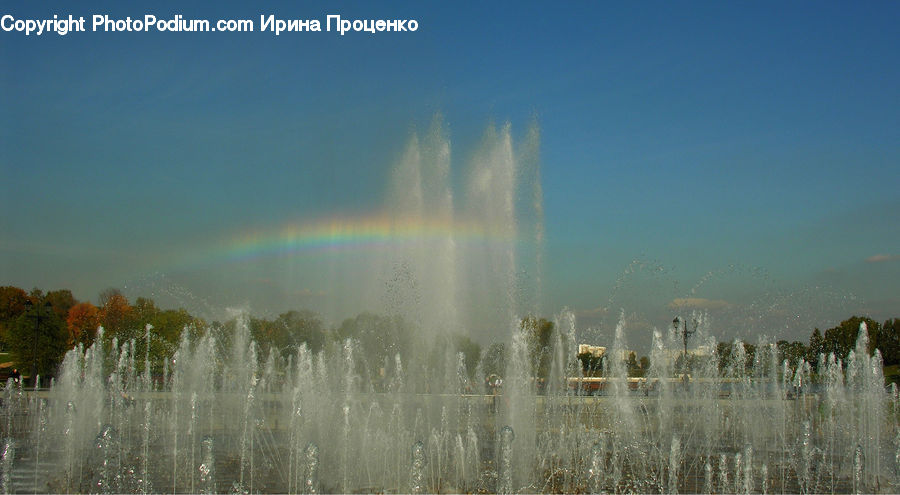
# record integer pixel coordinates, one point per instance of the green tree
(170, 324)
(302, 327)
(379, 339)
(61, 300)
(631, 364)
(380, 336)
(38, 339)
(727, 357)
(12, 305)
(471, 352)
(841, 339)
(888, 342)
(143, 311)
(793, 352)
(590, 364)
(539, 338)
(494, 360)
(816, 347)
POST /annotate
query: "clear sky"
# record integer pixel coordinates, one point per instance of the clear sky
(739, 157)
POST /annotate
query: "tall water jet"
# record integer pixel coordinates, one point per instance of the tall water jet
(311, 478)
(207, 469)
(421, 194)
(491, 197)
(595, 474)
(505, 480)
(417, 469)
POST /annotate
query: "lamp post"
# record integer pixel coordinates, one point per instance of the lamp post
(686, 333)
(37, 315)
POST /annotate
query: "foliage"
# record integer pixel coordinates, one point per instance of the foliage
(793, 352)
(539, 338)
(816, 347)
(729, 360)
(303, 327)
(82, 323)
(12, 304)
(37, 339)
(380, 339)
(116, 316)
(631, 364)
(471, 351)
(288, 332)
(591, 365)
(494, 360)
(62, 301)
(887, 340)
(380, 336)
(68, 322)
(841, 339)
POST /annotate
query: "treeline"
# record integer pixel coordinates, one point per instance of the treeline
(37, 329)
(838, 340)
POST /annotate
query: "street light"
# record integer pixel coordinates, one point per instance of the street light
(37, 315)
(685, 335)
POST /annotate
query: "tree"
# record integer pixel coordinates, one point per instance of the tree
(143, 310)
(12, 304)
(379, 336)
(841, 339)
(61, 300)
(302, 327)
(38, 338)
(816, 347)
(888, 342)
(631, 365)
(471, 352)
(539, 337)
(793, 352)
(645, 365)
(171, 323)
(288, 332)
(728, 359)
(165, 335)
(591, 365)
(379, 339)
(107, 294)
(116, 315)
(494, 360)
(82, 323)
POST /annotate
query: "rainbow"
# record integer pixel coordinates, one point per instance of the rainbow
(340, 234)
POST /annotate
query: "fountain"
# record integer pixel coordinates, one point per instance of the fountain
(220, 418)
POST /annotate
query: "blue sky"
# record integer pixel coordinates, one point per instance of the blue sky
(738, 152)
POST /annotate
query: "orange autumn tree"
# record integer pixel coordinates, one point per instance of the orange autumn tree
(115, 314)
(82, 322)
